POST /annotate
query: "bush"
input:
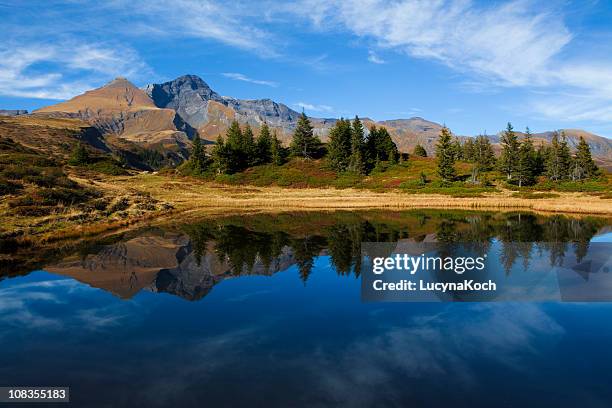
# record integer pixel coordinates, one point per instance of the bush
(8, 187)
(108, 166)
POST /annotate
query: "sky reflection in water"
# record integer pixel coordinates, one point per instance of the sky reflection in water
(281, 340)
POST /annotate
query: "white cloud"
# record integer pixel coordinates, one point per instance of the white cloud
(375, 59)
(206, 19)
(314, 108)
(241, 77)
(60, 71)
(487, 41)
(518, 43)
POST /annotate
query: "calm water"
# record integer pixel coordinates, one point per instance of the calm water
(266, 311)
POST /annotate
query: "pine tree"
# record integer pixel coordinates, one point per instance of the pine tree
(525, 171)
(305, 143)
(539, 161)
(79, 155)
(248, 148)
(583, 164)
(419, 151)
(445, 154)
(554, 167)
(483, 158)
(457, 149)
(339, 146)
(277, 151)
(565, 157)
(508, 160)
(356, 162)
(198, 159)
(264, 145)
(221, 156)
(468, 150)
(234, 150)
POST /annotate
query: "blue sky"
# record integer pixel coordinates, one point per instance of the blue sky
(473, 65)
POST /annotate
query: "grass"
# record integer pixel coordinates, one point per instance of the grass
(533, 195)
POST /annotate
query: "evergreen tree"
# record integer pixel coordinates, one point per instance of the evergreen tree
(554, 160)
(386, 147)
(468, 150)
(445, 154)
(248, 148)
(221, 156)
(277, 151)
(339, 146)
(79, 155)
(419, 151)
(482, 157)
(525, 171)
(539, 161)
(483, 153)
(356, 161)
(236, 159)
(565, 157)
(305, 143)
(457, 149)
(583, 164)
(508, 160)
(198, 159)
(264, 145)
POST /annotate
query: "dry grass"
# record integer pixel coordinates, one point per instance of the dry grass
(205, 197)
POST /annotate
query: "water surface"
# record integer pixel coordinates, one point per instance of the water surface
(266, 311)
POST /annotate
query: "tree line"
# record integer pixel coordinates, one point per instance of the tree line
(348, 149)
(520, 162)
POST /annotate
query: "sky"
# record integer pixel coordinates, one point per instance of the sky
(472, 65)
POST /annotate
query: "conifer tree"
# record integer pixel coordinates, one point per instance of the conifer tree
(198, 158)
(457, 149)
(565, 157)
(483, 158)
(248, 148)
(445, 154)
(305, 143)
(277, 151)
(508, 160)
(339, 146)
(356, 162)
(419, 151)
(583, 164)
(79, 155)
(468, 150)
(264, 145)
(554, 165)
(540, 160)
(525, 171)
(221, 156)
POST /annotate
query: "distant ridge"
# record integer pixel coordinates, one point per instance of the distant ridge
(172, 112)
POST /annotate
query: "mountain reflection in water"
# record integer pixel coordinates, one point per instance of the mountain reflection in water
(275, 318)
(189, 260)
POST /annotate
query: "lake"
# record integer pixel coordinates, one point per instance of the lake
(266, 310)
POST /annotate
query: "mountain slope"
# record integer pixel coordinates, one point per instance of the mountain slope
(164, 116)
(120, 108)
(210, 113)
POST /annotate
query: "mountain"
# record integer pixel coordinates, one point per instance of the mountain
(13, 112)
(120, 108)
(210, 113)
(165, 116)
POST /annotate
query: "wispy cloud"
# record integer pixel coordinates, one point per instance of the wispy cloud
(206, 19)
(314, 108)
(59, 71)
(375, 59)
(241, 77)
(519, 43)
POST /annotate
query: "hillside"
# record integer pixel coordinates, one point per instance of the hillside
(119, 108)
(165, 116)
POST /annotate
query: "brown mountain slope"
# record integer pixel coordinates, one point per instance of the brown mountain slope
(119, 108)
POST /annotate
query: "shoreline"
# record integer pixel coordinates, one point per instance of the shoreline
(191, 198)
